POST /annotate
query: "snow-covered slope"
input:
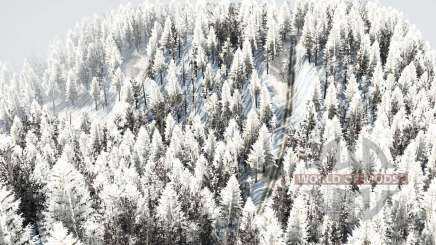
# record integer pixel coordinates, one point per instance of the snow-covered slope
(165, 124)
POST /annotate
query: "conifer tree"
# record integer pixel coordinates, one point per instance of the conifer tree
(68, 199)
(237, 69)
(331, 102)
(231, 208)
(247, 228)
(255, 88)
(169, 213)
(113, 56)
(265, 111)
(12, 229)
(117, 80)
(159, 66)
(165, 39)
(252, 125)
(256, 158)
(18, 131)
(296, 228)
(142, 147)
(71, 92)
(153, 42)
(60, 235)
(209, 80)
(270, 230)
(247, 57)
(95, 91)
(173, 87)
(226, 55)
(212, 43)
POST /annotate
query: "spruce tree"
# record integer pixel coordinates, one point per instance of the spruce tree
(12, 229)
(231, 209)
(68, 201)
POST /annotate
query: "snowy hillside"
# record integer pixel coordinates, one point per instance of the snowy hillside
(192, 123)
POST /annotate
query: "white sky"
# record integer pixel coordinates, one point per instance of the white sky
(28, 26)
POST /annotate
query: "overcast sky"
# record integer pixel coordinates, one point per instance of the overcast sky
(28, 26)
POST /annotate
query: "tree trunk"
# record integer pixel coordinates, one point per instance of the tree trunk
(205, 92)
(267, 62)
(325, 89)
(143, 94)
(255, 174)
(186, 106)
(267, 66)
(53, 102)
(179, 46)
(161, 78)
(213, 55)
(193, 93)
(105, 96)
(183, 74)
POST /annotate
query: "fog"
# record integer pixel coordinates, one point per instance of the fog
(28, 26)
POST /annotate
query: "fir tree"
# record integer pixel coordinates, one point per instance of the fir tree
(12, 229)
(117, 80)
(71, 91)
(159, 66)
(60, 235)
(68, 199)
(95, 91)
(247, 229)
(231, 208)
(171, 216)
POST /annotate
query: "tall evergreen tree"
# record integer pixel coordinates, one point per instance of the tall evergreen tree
(12, 229)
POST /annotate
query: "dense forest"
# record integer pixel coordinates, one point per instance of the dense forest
(178, 124)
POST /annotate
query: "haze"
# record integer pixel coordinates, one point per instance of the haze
(28, 27)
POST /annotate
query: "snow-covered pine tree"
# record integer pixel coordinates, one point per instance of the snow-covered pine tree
(60, 235)
(169, 213)
(247, 57)
(270, 230)
(265, 109)
(379, 84)
(212, 44)
(165, 39)
(247, 228)
(152, 45)
(12, 229)
(237, 69)
(255, 88)
(159, 66)
(95, 91)
(173, 89)
(18, 132)
(209, 80)
(271, 45)
(69, 200)
(113, 56)
(256, 158)
(117, 82)
(296, 227)
(226, 55)
(71, 92)
(231, 209)
(252, 125)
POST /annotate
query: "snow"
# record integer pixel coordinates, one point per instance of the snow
(306, 74)
(258, 192)
(304, 86)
